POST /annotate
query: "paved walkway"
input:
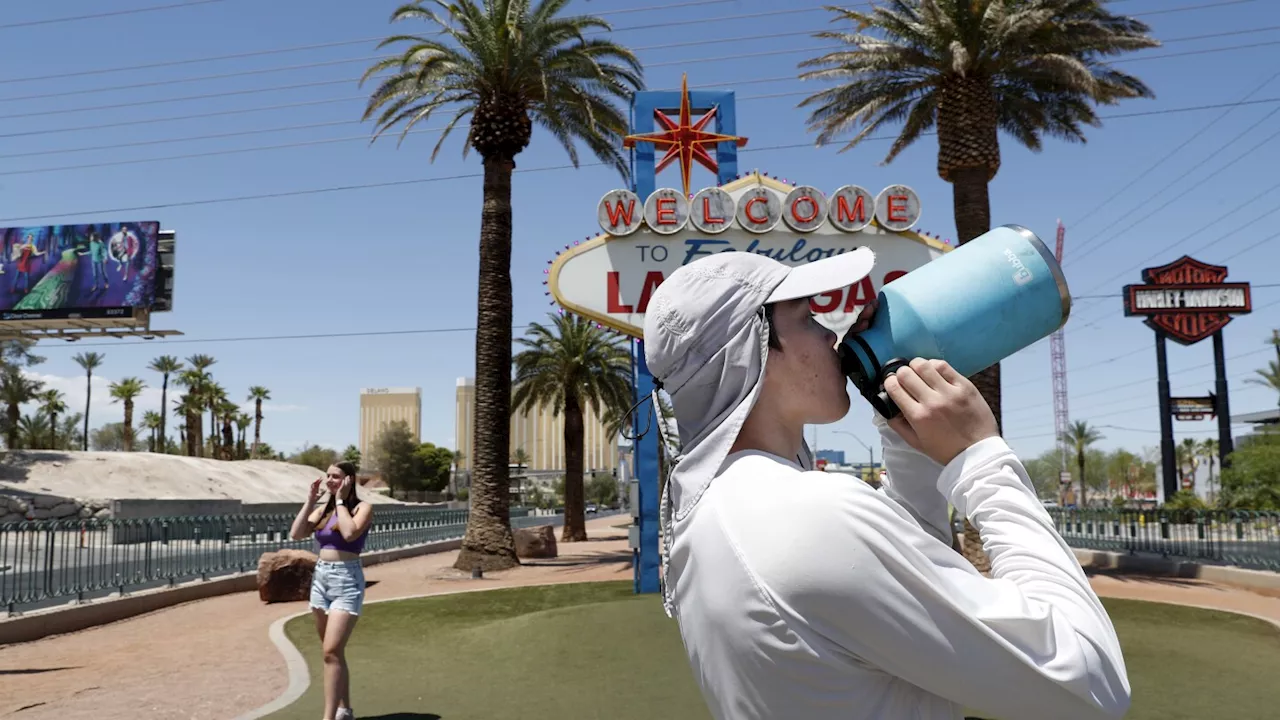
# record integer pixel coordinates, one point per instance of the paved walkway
(211, 660)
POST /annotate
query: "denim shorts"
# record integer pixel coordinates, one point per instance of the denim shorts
(338, 586)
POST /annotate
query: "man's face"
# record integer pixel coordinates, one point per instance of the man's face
(803, 379)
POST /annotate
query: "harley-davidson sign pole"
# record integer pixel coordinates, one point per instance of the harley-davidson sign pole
(1188, 301)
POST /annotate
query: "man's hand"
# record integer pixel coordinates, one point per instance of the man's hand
(942, 413)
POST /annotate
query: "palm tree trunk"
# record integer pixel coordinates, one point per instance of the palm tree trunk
(195, 434)
(489, 541)
(11, 432)
(1084, 501)
(88, 397)
(213, 430)
(257, 426)
(128, 426)
(164, 410)
(228, 439)
(53, 431)
(972, 207)
(575, 524)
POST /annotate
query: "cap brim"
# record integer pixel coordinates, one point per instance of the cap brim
(833, 273)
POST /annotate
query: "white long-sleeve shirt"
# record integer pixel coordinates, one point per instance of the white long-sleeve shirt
(811, 596)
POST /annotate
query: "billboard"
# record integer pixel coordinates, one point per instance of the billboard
(104, 270)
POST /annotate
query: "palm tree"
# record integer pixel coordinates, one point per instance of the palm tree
(520, 457)
(16, 389)
(1269, 378)
(506, 64)
(619, 422)
(228, 410)
(243, 421)
(1079, 437)
(258, 395)
(166, 365)
(89, 361)
(191, 404)
(125, 391)
(971, 67)
(1188, 452)
(1209, 450)
(192, 408)
(53, 404)
(215, 396)
(153, 421)
(570, 366)
(32, 431)
(201, 364)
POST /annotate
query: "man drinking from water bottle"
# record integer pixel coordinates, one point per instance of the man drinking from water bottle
(804, 594)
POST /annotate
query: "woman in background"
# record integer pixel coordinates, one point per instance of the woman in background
(337, 586)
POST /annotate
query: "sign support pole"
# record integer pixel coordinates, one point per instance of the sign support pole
(646, 559)
(1225, 443)
(1168, 463)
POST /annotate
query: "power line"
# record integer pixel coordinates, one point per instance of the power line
(311, 126)
(1274, 209)
(187, 98)
(323, 141)
(310, 103)
(1093, 213)
(1130, 383)
(1191, 170)
(113, 13)
(367, 40)
(371, 58)
(354, 138)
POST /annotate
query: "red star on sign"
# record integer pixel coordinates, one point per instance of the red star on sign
(685, 141)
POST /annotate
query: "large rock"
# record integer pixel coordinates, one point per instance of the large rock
(536, 542)
(285, 575)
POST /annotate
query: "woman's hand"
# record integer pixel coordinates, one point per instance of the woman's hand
(314, 492)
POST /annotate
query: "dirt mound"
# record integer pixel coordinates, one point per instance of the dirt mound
(119, 475)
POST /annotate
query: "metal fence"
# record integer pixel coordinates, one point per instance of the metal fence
(1231, 537)
(45, 563)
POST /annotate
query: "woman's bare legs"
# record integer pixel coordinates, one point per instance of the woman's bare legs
(335, 630)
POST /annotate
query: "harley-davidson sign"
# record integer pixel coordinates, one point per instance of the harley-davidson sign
(1187, 300)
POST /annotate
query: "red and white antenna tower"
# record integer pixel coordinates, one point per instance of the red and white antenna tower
(1058, 360)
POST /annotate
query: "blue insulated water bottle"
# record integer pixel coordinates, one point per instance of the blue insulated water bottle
(972, 307)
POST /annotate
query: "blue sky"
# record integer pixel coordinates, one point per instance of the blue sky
(404, 257)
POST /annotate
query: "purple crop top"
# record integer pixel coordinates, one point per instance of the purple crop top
(330, 537)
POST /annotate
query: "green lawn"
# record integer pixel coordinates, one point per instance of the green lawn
(596, 651)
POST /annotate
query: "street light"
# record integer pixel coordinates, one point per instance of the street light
(871, 456)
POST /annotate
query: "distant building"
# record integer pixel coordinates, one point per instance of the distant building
(540, 434)
(380, 407)
(835, 457)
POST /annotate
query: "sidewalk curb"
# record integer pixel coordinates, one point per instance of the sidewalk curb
(1153, 565)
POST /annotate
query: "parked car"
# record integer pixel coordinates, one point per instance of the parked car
(592, 509)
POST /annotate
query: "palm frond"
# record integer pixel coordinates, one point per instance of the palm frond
(1045, 60)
